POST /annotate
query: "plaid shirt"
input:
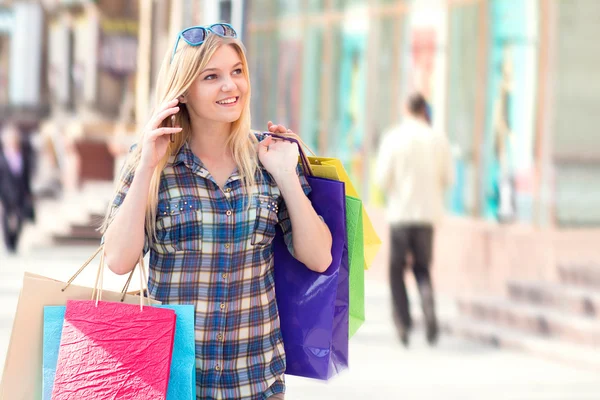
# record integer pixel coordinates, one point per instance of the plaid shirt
(214, 252)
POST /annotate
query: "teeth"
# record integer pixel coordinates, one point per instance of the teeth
(233, 100)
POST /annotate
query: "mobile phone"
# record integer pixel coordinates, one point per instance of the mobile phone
(172, 125)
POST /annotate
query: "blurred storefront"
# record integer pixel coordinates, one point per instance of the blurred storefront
(92, 47)
(507, 80)
(573, 120)
(21, 63)
(330, 70)
(6, 26)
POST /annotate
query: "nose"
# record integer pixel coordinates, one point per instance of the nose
(228, 85)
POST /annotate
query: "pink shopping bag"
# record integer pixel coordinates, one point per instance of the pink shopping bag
(114, 351)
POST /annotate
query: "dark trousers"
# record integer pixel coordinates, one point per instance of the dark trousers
(417, 240)
(12, 224)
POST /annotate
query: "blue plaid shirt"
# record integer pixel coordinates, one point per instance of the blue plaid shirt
(214, 252)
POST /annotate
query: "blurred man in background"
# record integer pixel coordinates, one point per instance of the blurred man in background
(414, 169)
(16, 199)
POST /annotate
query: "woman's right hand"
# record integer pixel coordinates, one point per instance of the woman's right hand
(156, 138)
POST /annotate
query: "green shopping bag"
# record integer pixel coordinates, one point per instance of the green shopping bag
(356, 263)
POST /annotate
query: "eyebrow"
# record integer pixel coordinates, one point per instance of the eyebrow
(217, 69)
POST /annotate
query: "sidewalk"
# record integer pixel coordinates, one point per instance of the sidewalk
(380, 367)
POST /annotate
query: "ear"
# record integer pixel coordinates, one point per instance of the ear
(182, 99)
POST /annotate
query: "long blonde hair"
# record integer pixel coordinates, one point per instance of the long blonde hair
(174, 79)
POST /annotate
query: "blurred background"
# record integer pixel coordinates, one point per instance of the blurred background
(512, 83)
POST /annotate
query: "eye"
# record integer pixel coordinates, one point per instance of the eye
(238, 71)
(210, 77)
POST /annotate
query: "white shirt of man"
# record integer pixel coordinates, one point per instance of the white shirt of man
(414, 169)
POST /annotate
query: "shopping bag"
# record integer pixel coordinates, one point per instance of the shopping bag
(111, 350)
(22, 374)
(313, 307)
(356, 262)
(182, 379)
(133, 345)
(332, 168)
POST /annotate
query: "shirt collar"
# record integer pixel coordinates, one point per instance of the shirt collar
(187, 157)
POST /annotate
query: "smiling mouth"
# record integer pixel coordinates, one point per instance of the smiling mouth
(228, 102)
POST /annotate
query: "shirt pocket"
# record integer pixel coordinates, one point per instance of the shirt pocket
(266, 219)
(190, 225)
(167, 231)
(179, 225)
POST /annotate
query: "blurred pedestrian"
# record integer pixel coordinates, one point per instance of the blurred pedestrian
(204, 194)
(15, 184)
(414, 169)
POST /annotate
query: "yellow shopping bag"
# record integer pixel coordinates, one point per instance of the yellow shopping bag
(332, 168)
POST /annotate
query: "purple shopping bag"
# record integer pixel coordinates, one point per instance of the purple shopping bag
(314, 307)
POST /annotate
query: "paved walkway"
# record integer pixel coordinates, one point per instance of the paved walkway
(380, 367)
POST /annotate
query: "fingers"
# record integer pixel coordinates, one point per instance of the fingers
(168, 104)
(165, 131)
(266, 141)
(277, 128)
(263, 145)
(160, 117)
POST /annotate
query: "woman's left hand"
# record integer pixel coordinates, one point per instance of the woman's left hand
(279, 157)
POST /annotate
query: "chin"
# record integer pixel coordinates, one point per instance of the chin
(229, 117)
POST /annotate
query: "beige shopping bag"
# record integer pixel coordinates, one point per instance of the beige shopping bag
(22, 376)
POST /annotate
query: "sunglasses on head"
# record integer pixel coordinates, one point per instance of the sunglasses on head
(196, 35)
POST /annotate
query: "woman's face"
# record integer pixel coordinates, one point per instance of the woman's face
(219, 92)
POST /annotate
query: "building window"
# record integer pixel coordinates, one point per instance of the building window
(225, 11)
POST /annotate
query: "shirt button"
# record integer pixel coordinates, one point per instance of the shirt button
(228, 212)
(220, 337)
(218, 367)
(222, 306)
(224, 276)
(227, 190)
(226, 245)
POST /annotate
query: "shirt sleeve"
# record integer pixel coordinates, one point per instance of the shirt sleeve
(125, 180)
(284, 217)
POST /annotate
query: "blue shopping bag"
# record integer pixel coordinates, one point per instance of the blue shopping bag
(182, 380)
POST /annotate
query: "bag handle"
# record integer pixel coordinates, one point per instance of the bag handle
(85, 264)
(96, 294)
(304, 160)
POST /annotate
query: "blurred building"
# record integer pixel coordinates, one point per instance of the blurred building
(510, 81)
(91, 72)
(22, 54)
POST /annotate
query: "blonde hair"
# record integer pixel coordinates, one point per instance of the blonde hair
(174, 79)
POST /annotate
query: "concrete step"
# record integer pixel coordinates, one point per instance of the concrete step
(587, 275)
(567, 298)
(71, 219)
(532, 319)
(70, 240)
(506, 338)
(85, 230)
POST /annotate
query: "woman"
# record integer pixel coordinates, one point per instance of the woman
(15, 187)
(203, 195)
